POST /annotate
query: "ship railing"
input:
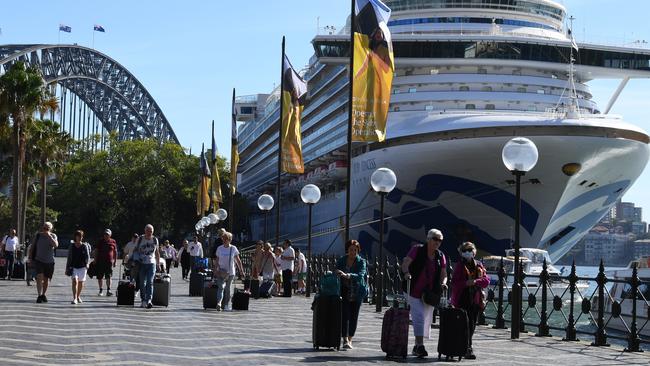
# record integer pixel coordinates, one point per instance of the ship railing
(548, 309)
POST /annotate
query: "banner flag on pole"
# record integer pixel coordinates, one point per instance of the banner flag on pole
(65, 28)
(98, 28)
(372, 70)
(216, 182)
(234, 153)
(295, 88)
(203, 197)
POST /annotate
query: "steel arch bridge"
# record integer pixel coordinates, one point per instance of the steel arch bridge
(114, 96)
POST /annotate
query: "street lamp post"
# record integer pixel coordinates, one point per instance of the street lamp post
(265, 203)
(383, 181)
(214, 220)
(519, 155)
(310, 194)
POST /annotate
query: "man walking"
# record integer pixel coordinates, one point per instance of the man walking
(9, 245)
(301, 270)
(196, 253)
(288, 256)
(105, 259)
(42, 256)
(148, 250)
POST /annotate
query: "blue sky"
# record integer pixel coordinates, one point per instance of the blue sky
(190, 54)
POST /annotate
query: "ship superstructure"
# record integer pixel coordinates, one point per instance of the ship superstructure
(469, 76)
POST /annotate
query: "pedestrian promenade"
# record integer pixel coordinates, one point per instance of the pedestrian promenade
(273, 332)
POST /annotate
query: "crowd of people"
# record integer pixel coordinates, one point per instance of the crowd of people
(425, 268)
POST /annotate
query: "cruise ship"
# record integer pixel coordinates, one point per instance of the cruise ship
(469, 76)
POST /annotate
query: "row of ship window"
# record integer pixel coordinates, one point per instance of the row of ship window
(469, 20)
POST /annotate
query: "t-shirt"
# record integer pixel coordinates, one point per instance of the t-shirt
(43, 247)
(106, 250)
(11, 243)
(302, 263)
(147, 249)
(267, 264)
(196, 249)
(287, 264)
(428, 274)
(227, 258)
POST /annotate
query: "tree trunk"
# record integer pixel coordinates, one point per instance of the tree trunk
(22, 142)
(23, 208)
(43, 196)
(16, 183)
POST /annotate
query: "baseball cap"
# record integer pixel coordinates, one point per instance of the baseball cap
(108, 231)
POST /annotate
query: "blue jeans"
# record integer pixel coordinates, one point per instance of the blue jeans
(147, 271)
(224, 290)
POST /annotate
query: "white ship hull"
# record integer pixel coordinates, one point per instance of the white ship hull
(458, 183)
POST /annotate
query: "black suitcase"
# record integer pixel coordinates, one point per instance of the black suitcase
(326, 325)
(209, 295)
(240, 300)
(125, 293)
(197, 280)
(253, 286)
(266, 289)
(3, 272)
(161, 290)
(453, 340)
(19, 270)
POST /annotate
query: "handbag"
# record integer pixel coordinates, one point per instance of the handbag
(92, 270)
(431, 297)
(223, 274)
(68, 271)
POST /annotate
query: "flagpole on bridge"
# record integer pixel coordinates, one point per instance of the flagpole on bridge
(280, 130)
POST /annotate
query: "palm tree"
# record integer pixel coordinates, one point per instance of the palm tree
(22, 91)
(48, 150)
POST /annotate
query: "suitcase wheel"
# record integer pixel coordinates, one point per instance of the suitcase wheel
(439, 357)
(446, 358)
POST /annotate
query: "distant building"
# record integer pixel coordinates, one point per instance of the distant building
(638, 214)
(639, 228)
(625, 211)
(602, 244)
(641, 248)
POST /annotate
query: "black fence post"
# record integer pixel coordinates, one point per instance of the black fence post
(633, 342)
(500, 322)
(571, 333)
(601, 334)
(543, 329)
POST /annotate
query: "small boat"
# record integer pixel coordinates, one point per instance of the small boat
(532, 264)
(618, 306)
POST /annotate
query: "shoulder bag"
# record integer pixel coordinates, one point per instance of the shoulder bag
(223, 274)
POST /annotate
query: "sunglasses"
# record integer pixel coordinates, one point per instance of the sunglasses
(467, 250)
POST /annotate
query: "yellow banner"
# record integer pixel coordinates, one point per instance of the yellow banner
(234, 161)
(203, 196)
(216, 188)
(373, 77)
(291, 139)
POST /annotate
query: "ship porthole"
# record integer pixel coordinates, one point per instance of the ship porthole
(571, 169)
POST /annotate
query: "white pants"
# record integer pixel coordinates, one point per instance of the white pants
(422, 316)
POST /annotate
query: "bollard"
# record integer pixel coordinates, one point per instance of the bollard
(500, 322)
(571, 333)
(633, 342)
(543, 329)
(601, 334)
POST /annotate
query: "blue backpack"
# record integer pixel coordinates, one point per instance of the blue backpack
(330, 285)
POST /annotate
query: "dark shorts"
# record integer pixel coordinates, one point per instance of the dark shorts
(103, 269)
(47, 269)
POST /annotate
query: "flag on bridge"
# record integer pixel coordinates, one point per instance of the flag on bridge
(99, 28)
(203, 191)
(234, 153)
(216, 182)
(294, 88)
(65, 28)
(372, 71)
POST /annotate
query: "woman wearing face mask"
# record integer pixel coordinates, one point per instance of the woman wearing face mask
(467, 282)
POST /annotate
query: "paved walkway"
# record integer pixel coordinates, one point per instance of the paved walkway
(274, 332)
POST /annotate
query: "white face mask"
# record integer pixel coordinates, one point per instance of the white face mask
(467, 255)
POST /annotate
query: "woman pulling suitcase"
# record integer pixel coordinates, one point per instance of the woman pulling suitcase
(426, 266)
(351, 268)
(468, 280)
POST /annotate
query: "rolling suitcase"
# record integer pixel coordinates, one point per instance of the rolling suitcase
(240, 300)
(209, 295)
(161, 290)
(326, 324)
(3, 268)
(197, 280)
(19, 270)
(395, 328)
(453, 340)
(252, 285)
(266, 289)
(125, 293)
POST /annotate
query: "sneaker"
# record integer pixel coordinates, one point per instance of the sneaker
(101, 292)
(149, 305)
(414, 352)
(109, 293)
(218, 308)
(470, 354)
(79, 300)
(39, 299)
(350, 345)
(421, 352)
(346, 345)
(44, 298)
(73, 302)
